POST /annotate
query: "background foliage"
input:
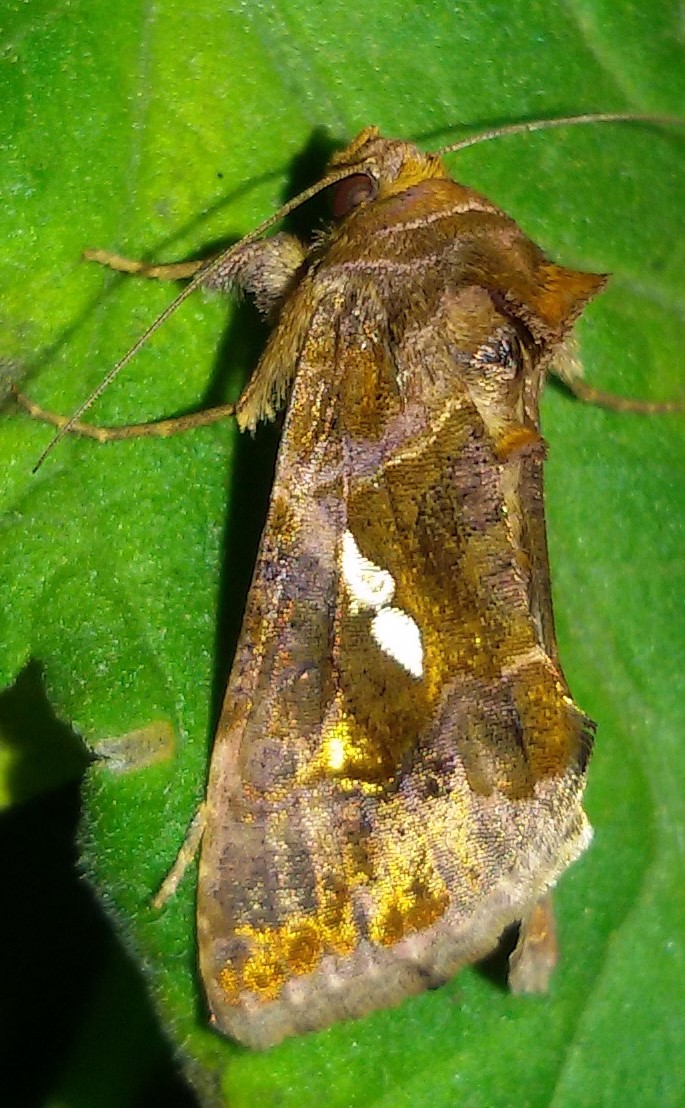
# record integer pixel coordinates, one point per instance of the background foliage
(158, 131)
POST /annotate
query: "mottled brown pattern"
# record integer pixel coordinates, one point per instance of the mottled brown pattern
(378, 811)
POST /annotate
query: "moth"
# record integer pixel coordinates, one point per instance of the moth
(398, 770)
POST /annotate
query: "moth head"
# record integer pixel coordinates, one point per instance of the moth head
(377, 168)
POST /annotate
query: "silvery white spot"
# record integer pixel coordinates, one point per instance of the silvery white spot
(398, 636)
(369, 585)
(392, 629)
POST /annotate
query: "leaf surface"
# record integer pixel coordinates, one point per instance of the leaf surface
(158, 131)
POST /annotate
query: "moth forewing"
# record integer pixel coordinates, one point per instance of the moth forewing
(398, 770)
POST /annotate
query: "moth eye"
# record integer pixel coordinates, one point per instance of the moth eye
(352, 192)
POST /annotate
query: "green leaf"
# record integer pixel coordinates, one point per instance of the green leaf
(158, 131)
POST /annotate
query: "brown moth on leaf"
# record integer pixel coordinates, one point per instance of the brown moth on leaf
(398, 769)
(399, 765)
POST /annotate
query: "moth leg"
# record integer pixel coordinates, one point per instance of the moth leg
(176, 271)
(185, 857)
(589, 395)
(567, 368)
(534, 959)
(264, 269)
(161, 428)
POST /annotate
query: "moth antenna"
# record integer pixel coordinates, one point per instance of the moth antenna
(200, 277)
(560, 121)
